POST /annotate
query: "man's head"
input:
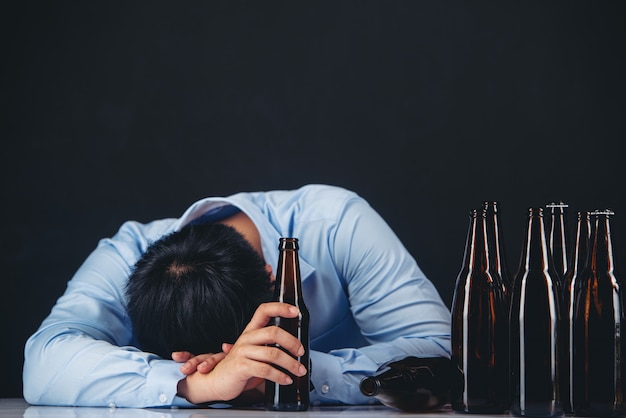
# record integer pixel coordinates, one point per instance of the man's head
(196, 289)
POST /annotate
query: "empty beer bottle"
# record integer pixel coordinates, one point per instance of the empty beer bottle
(598, 317)
(577, 261)
(557, 238)
(495, 244)
(534, 328)
(479, 328)
(411, 384)
(288, 289)
(558, 261)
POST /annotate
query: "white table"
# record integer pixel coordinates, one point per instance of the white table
(18, 408)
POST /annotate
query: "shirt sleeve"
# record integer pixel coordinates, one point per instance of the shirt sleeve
(398, 310)
(82, 354)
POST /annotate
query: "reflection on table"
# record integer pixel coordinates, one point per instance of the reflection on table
(18, 408)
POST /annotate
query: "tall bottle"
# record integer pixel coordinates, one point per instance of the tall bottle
(557, 238)
(495, 244)
(558, 258)
(534, 328)
(479, 328)
(288, 289)
(411, 384)
(577, 262)
(598, 317)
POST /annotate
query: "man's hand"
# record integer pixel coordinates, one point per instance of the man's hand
(202, 363)
(248, 361)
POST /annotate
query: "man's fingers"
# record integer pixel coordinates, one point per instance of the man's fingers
(181, 356)
(203, 363)
(263, 356)
(270, 336)
(266, 311)
(209, 363)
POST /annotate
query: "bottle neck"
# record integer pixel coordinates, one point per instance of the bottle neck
(494, 237)
(288, 286)
(580, 251)
(557, 238)
(470, 243)
(535, 250)
(601, 246)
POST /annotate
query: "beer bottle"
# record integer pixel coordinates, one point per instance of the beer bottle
(598, 317)
(479, 328)
(558, 261)
(495, 244)
(534, 328)
(411, 384)
(557, 238)
(288, 289)
(577, 261)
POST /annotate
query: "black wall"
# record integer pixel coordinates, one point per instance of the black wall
(133, 110)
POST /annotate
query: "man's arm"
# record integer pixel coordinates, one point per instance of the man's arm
(398, 310)
(82, 354)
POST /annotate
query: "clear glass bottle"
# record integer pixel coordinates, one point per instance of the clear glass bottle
(288, 289)
(479, 328)
(534, 328)
(598, 365)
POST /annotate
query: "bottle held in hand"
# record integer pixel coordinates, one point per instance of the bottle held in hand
(288, 289)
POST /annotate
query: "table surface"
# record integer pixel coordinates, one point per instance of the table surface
(18, 408)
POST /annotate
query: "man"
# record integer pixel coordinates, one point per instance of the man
(369, 304)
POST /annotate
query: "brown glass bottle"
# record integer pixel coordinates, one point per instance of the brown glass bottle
(534, 328)
(411, 384)
(479, 328)
(495, 244)
(288, 289)
(598, 317)
(577, 261)
(557, 238)
(558, 255)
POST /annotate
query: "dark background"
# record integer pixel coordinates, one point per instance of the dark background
(133, 110)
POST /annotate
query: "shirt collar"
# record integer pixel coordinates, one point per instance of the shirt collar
(269, 234)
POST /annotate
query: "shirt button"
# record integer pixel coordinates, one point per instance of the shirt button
(325, 389)
(163, 398)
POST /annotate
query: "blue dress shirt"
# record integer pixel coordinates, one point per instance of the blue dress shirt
(369, 302)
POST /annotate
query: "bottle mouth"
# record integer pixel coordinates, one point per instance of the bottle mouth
(557, 205)
(607, 212)
(369, 386)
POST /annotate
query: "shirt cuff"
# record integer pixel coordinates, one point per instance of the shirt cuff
(162, 383)
(332, 385)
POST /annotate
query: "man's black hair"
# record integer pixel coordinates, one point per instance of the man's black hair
(195, 289)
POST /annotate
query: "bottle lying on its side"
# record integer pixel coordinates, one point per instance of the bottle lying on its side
(412, 384)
